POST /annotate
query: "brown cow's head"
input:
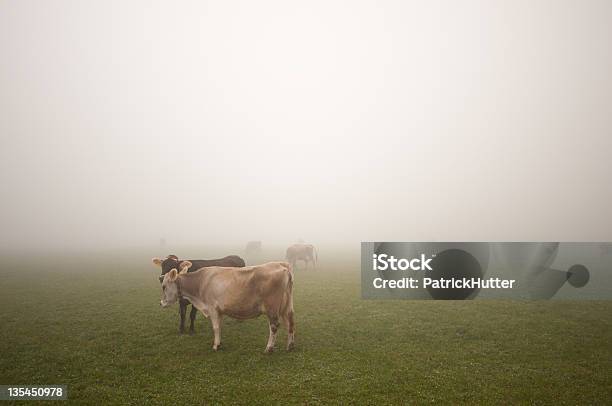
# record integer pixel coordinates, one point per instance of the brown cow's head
(166, 265)
(170, 289)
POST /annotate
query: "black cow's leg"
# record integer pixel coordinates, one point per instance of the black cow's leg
(192, 317)
(182, 311)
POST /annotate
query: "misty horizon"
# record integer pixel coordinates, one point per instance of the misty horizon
(334, 122)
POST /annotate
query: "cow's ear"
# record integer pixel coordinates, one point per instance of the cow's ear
(184, 266)
(172, 275)
(157, 261)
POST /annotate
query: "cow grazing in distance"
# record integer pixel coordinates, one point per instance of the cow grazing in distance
(240, 293)
(302, 252)
(172, 261)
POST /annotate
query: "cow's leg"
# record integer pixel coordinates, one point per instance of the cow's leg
(290, 330)
(192, 317)
(273, 321)
(215, 319)
(182, 311)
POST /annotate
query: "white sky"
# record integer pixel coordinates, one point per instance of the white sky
(334, 121)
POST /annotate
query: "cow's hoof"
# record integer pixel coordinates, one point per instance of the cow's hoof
(269, 350)
(191, 332)
(290, 346)
(217, 348)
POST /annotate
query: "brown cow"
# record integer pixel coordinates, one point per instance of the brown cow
(241, 293)
(172, 261)
(303, 252)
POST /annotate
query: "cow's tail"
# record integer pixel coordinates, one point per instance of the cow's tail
(287, 302)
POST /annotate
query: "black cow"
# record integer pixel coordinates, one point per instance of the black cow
(172, 261)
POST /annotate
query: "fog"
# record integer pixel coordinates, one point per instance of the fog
(123, 122)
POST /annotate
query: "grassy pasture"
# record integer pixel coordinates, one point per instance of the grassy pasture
(94, 324)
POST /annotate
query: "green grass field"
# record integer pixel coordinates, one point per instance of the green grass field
(95, 324)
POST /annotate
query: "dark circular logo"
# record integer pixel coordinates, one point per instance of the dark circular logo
(578, 275)
(453, 263)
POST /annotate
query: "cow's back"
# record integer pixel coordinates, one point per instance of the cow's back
(300, 251)
(246, 292)
(233, 261)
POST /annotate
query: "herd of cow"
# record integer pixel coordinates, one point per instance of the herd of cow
(227, 287)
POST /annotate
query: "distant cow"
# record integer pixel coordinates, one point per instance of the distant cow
(302, 252)
(253, 248)
(241, 293)
(172, 261)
